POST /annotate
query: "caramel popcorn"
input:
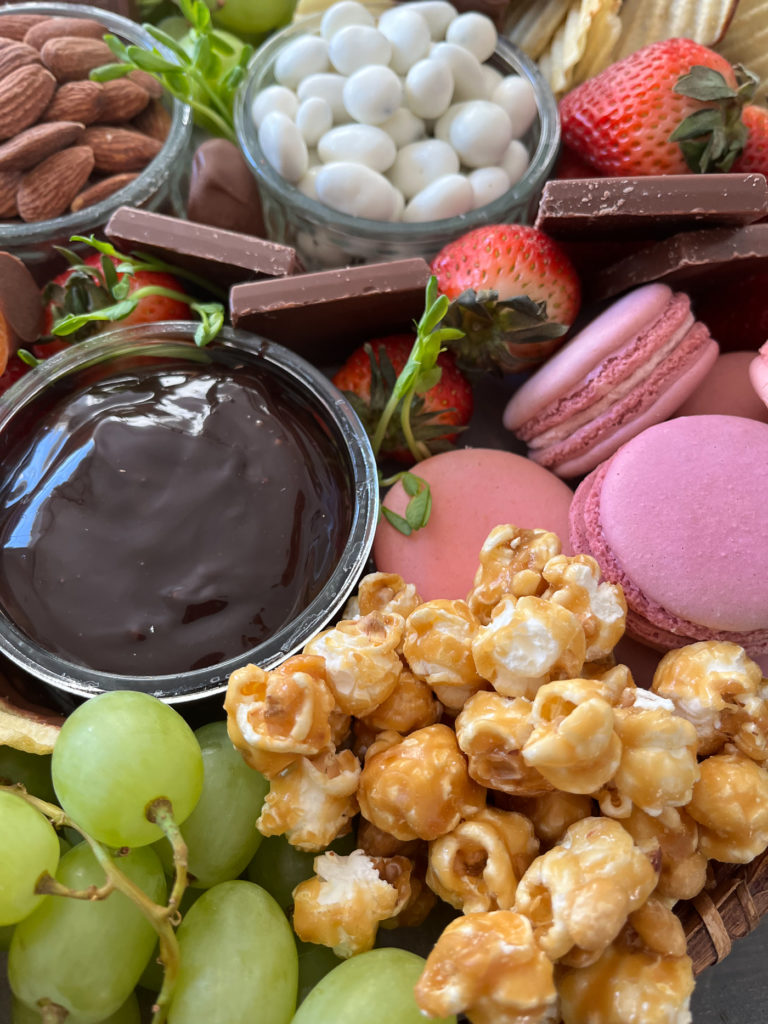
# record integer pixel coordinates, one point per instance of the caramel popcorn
(683, 866)
(717, 687)
(528, 642)
(438, 647)
(511, 563)
(275, 717)
(574, 583)
(312, 801)
(375, 843)
(578, 894)
(361, 660)
(573, 743)
(387, 592)
(551, 813)
(411, 705)
(489, 966)
(476, 866)
(730, 804)
(418, 788)
(491, 731)
(343, 904)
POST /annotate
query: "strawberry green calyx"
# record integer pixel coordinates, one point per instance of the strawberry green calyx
(712, 139)
(505, 336)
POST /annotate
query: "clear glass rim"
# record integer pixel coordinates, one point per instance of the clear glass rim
(540, 165)
(170, 339)
(137, 191)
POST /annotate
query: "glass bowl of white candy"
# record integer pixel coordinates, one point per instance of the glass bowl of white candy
(383, 133)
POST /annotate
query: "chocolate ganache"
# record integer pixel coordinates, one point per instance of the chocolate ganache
(168, 518)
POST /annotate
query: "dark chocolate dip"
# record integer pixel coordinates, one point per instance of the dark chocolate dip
(168, 518)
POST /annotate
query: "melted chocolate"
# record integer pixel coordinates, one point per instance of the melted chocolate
(169, 518)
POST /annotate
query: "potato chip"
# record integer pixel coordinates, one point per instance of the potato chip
(30, 734)
(746, 40)
(601, 43)
(648, 21)
(569, 45)
(531, 24)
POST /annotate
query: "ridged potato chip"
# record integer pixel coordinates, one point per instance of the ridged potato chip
(590, 29)
(746, 40)
(531, 24)
(648, 21)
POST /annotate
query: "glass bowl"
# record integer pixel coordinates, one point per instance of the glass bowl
(36, 431)
(325, 238)
(158, 186)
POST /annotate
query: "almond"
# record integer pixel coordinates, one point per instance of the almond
(36, 143)
(16, 26)
(16, 55)
(76, 101)
(121, 101)
(71, 58)
(39, 34)
(154, 120)
(120, 149)
(48, 189)
(9, 184)
(101, 190)
(147, 81)
(24, 95)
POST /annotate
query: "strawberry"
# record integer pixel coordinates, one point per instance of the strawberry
(515, 293)
(668, 108)
(754, 156)
(14, 370)
(368, 377)
(571, 165)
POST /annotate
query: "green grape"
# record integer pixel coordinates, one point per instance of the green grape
(115, 755)
(238, 960)
(220, 833)
(279, 867)
(128, 1013)
(28, 847)
(248, 19)
(33, 770)
(6, 934)
(372, 988)
(314, 963)
(87, 956)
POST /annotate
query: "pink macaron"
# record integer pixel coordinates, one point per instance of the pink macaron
(473, 490)
(631, 367)
(758, 373)
(679, 517)
(728, 391)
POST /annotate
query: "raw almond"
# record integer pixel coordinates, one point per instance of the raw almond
(39, 34)
(146, 81)
(16, 55)
(121, 101)
(154, 120)
(71, 58)
(48, 189)
(76, 101)
(16, 26)
(24, 95)
(120, 149)
(9, 184)
(101, 190)
(36, 143)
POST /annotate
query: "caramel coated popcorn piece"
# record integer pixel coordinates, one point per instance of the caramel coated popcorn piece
(683, 871)
(361, 660)
(491, 731)
(476, 866)
(311, 802)
(527, 643)
(511, 563)
(730, 804)
(717, 687)
(387, 592)
(489, 967)
(343, 904)
(438, 647)
(411, 705)
(574, 583)
(573, 743)
(418, 788)
(578, 895)
(552, 813)
(275, 717)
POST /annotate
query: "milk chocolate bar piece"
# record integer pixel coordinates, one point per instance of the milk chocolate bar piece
(689, 261)
(224, 257)
(596, 209)
(21, 301)
(322, 315)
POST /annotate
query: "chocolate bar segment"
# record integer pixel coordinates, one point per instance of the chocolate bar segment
(21, 301)
(224, 257)
(322, 315)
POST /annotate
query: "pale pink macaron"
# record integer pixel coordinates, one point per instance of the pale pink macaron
(473, 490)
(758, 373)
(631, 367)
(727, 390)
(679, 517)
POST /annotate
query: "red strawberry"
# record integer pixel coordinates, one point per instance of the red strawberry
(571, 165)
(367, 379)
(622, 119)
(515, 294)
(14, 369)
(754, 156)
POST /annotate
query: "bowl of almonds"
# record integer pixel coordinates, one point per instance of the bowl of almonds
(73, 149)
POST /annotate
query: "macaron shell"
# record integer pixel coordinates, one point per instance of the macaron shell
(728, 391)
(473, 490)
(758, 374)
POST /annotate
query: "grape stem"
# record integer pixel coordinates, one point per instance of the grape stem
(52, 1013)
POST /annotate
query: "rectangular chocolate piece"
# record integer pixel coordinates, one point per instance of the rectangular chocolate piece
(643, 208)
(223, 257)
(688, 261)
(323, 315)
